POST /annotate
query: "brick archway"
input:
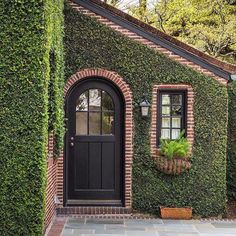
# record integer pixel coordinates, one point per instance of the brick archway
(128, 132)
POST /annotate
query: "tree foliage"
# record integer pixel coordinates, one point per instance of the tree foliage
(208, 25)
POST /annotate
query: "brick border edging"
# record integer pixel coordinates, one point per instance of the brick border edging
(97, 210)
(128, 134)
(190, 115)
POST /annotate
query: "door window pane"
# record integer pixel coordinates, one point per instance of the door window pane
(94, 100)
(175, 133)
(165, 134)
(82, 102)
(165, 99)
(94, 123)
(176, 122)
(165, 122)
(107, 102)
(165, 111)
(81, 123)
(108, 123)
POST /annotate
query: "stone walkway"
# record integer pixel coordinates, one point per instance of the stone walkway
(72, 226)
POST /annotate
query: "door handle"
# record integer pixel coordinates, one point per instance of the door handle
(72, 144)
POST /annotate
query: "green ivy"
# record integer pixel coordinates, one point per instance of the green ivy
(89, 44)
(27, 33)
(56, 84)
(231, 158)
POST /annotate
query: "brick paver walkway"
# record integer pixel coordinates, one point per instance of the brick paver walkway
(86, 226)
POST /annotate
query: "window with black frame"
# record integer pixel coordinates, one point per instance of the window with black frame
(171, 115)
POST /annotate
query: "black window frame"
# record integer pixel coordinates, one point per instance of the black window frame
(159, 111)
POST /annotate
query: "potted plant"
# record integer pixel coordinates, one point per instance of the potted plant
(174, 155)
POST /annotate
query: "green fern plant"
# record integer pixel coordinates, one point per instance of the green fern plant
(175, 148)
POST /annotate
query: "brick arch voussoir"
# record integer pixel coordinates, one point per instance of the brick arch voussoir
(109, 75)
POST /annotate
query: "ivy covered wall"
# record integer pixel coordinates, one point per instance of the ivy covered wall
(231, 160)
(29, 31)
(88, 44)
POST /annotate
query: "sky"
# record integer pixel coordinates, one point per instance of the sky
(125, 3)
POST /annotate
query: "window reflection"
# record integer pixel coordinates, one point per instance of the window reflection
(94, 100)
(95, 113)
(108, 123)
(107, 102)
(81, 123)
(82, 102)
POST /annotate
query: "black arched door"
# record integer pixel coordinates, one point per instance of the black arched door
(94, 144)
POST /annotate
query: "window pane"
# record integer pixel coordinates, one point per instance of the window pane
(82, 102)
(94, 123)
(165, 122)
(165, 111)
(175, 133)
(108, 123)
(94, 100)
(166, 99)
(81, 123)
(176, 122)
(176, 110)
(165, 134)
(107, 102)
(176, 99)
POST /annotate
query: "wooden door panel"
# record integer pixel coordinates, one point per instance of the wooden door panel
(94, 159)
(95, 170)
(108, 166)
(81, 159)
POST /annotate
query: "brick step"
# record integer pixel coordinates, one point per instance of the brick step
(94, 211)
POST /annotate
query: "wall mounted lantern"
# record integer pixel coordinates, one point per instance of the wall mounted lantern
(144, 105)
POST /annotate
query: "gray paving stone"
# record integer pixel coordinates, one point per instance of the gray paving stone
(67, 232)
(127, 228)
(168, 234)
(145, 222)
(189, 234)
(217, 231)
(104, 221)
(103, 234)
(138, 233)
(110, 231)
(83, 231)
(172, 221)
(224, 225)
(76, 220)
(216, 234)
(85, 226)
(176, 228)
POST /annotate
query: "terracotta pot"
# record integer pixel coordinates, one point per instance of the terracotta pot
(184, 213)
(174, 167)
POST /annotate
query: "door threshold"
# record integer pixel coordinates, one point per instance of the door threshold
(73, 202)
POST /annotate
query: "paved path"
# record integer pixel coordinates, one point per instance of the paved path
(148, 227)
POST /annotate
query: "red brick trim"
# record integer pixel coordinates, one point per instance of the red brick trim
(57, 226)
(148, 43)
(190, 116)
(93, 211)
(51, 182)
(128, 145)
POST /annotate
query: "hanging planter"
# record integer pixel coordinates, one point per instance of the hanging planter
(173, 158)
(174, 166)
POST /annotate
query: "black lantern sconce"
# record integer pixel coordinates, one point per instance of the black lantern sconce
(144, 105)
